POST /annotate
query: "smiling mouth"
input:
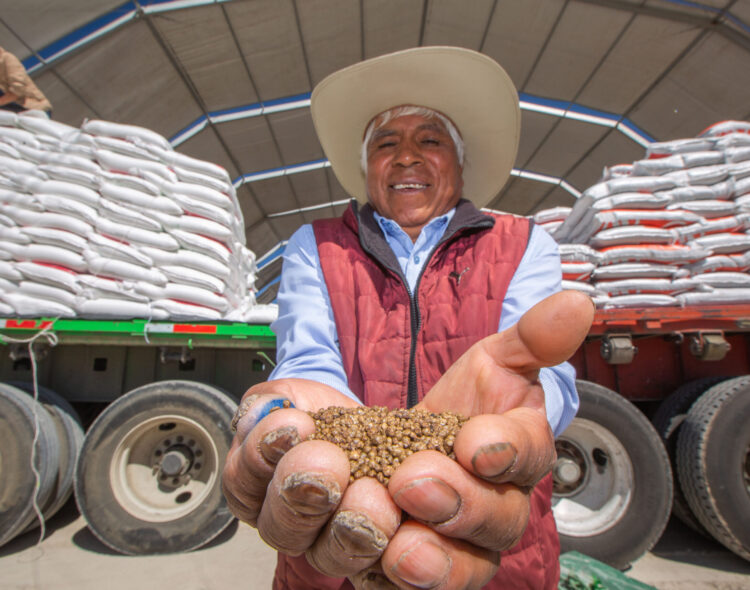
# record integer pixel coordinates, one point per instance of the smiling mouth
(409, 186)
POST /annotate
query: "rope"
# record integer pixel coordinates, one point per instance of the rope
(52, 340)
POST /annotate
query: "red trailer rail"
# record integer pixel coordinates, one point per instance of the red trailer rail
(646, 353)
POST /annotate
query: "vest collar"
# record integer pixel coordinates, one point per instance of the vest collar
(467, 217)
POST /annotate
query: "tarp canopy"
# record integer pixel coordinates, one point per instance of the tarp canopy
(229, 82)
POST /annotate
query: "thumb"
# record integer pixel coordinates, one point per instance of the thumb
(546, 335)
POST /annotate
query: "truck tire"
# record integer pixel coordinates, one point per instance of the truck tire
(21, 421)
(613, 482)
(667, 420)
(713, 463)
(148, 477)
(69, 441)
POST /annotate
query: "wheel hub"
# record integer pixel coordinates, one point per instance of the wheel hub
(176, 460)
(569, 471)
(164, 468)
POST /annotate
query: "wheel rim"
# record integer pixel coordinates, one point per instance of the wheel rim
(593, 480)
(164, 468)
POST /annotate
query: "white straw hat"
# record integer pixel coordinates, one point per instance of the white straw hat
(468, 87)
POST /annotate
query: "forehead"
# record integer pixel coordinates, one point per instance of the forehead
(393, 120)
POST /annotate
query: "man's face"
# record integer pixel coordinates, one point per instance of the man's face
(413, 174)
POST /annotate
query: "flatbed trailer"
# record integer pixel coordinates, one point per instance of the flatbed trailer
(664, 427)
(661, 390)
(139, 429)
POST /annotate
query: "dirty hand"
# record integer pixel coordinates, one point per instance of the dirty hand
(464, 513)
(292, 490)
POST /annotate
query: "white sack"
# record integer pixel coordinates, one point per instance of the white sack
(204, 245)
(196, 225)
(55, 237)
(127, 215)
(668, 254)
(726, 243)
(25, 306)
(630, 301)
(189, 258)
(9, 272)
(721, 280)
(637, 286)
(190, 276)
(577, 271)
(104, 308)
(637, 234)
(633, 270)
(39, 125)
(68, 206)
(80, 193)
(49, 254)
(119, 269)
(23, 216)
(553, 214)
(578, 253)
(634, 201)
(186, 311)
(136, 198)
(136, 235)
(707, 208)
(657, 166)
(715, 297)
(14, 234)
(93, 287)
(34, 289)
(123, 131)
(725, 127)
(115, 162)
(49, 275)
(678, 146)
(109, 248)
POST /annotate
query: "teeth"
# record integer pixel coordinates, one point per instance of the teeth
(409, 185)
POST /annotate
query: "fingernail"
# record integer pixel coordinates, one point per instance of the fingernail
(423, 566)
(250, 416)
(372, 578)
(277, 442)
(429, 500)
(494, 460)
(357, 535)
(310, 494)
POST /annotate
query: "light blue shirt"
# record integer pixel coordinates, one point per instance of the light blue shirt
(306, 338)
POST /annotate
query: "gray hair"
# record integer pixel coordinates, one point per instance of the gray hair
(403, 111)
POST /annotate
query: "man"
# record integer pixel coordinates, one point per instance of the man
(415, 298)
(18, 92)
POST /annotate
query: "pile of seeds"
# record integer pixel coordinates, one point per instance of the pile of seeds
(377, 439)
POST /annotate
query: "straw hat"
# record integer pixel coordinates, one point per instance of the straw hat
(468, 87)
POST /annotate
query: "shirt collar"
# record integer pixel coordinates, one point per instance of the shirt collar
(435, 226)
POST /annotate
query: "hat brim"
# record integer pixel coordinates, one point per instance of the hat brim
(469, 87)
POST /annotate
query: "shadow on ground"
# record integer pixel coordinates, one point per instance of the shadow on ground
(682, 544)
(66, 515)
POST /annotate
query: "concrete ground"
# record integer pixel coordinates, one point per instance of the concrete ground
(71, 558)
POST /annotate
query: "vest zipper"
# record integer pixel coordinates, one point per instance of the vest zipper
(412, 397)
(411, 393)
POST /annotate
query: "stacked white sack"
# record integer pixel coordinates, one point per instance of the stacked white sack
(108, 221)
(670, 229)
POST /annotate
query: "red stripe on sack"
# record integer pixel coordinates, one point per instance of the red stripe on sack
(57, 266)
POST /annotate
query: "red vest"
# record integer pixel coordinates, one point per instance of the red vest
(458, 302)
